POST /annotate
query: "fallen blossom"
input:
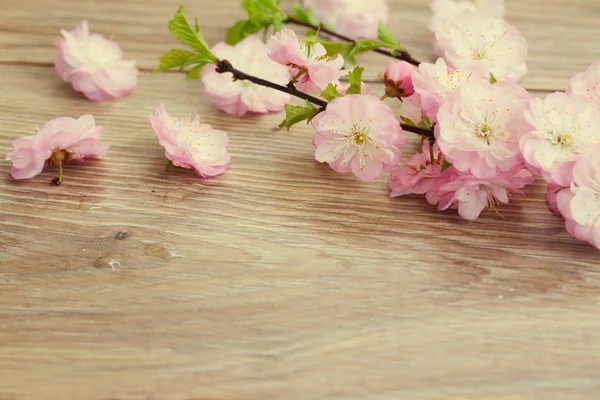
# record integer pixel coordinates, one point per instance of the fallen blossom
(191, 144)
(94, 65)
(312, 70)
(352, 18)
(551, 197)
(492, 45)
(59, 140)
(358, 134)
(238, 97)
(479, 127)
(562, 130)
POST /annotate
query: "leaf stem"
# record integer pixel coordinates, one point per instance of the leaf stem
(224, 66)
(403, 55)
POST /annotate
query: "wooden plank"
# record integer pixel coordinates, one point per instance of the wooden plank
(560, 33)
(279, 280)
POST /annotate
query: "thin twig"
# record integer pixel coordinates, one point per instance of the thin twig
(224, 66)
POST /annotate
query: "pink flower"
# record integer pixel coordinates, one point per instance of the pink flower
(563, 130)
(587, 84)
(490, 45)
(472, 195)
(94, 65)
(580, 204)
(353, 18)
(418, 175)
(397, 79)
(240, 97)
(312, 69)
(445, 10)
(358, 134)
(479, 127)
(60, 139)
(435, 82)
(551, 194)
(190, 144)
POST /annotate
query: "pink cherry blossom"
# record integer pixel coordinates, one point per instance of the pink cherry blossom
(479, 127)
(94, 65)
(587, 84)
(191, 144)
(445, 10)
(472, 195)
(488, 44)
(435, 82)
(358, 134)
(240, 97)
(562, 130)
(309, 64)
(353, 18)
(580, 204)
(398, 80)
(61, 139)
(418, 175)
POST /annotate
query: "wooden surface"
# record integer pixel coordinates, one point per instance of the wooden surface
(281, 279)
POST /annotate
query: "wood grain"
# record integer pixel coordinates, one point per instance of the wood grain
(279, 279)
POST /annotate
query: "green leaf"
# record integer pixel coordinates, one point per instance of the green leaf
(334, 48)
(173, 58)
(330, 92)
(194, 73)
(240, 30)
(355, 79)
(407, 121)
(306, 15)
(183, 31)
(493, 79)
(425, 123)
(386, 37)
(296, 114)
(445, 165)
(264, 13)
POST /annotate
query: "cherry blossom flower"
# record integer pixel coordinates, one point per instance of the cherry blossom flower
(358, 134)
(61, 139)
(352, 18)
(445, 10)
(587, 84)
(397, 79)
(94, 65)
(310, 66)
(191, 144)
(419, 174)
(488, 44)
(580, 204)
(563, 130)
(479, 127)
(471, 195)
(238, 97)
(435, 82)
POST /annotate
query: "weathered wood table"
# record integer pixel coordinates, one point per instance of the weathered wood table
(281, 279)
